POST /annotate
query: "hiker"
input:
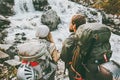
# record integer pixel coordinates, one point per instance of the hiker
(39, 57)
(84, 51)
(68, 44)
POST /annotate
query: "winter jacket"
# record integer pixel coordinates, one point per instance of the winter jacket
(67, 48)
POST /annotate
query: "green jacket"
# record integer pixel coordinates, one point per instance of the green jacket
(67, 48)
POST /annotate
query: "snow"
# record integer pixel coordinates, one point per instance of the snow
(28, 22)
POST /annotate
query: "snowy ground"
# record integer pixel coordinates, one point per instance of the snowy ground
(28, 22)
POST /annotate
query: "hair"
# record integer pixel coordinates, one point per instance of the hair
(78, 19)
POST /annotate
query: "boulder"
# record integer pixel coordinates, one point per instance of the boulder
(6, 7)
(93, 13)
(3, 21)
(91, 20)
(3, 34)
(3, 56)
(12, 51)
(51, 19)
(40, 4)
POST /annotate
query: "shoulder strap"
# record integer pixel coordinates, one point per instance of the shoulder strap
(76, 55)
(87, 56)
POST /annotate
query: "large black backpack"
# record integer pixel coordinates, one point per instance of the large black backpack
(93, 39)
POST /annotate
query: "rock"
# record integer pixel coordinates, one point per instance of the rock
(12, 51)
(10, 1)
(40, 4)
(3, 56)
(19, 38)
(6, 7)
(51, 19)
(11, 69)
(93, 13)
(91, 20)
(4, 21)
(77, 1)
(3, 34)
(12, 62)
(116, 21)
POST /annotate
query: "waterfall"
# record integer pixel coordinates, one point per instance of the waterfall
(22, 6)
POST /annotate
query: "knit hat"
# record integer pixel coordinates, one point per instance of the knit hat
(42, 31)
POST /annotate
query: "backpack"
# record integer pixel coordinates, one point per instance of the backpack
(85, 37)
(36, 51)
(91, 41)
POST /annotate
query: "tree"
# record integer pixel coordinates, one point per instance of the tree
(112, 7)
(99, 3)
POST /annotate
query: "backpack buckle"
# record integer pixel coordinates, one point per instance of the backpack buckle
(78, 78)
(105, 57)
(32, 63)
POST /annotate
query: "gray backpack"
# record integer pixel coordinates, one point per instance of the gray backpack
(36, 50)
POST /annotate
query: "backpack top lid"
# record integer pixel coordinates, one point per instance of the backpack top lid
(88, 31)
(34, 49)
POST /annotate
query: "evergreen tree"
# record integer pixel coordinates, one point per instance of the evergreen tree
(112, 7)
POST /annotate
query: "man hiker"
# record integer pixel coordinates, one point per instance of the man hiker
(68, 45)
(85, 49)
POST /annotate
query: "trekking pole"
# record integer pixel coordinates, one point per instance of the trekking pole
(65, 68)
(85, 68)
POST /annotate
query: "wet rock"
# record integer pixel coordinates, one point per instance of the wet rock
(3, 34)
(20, 37)
(3, 56)
(6, 7)
(51, 19)
(93, 12)
(9, 70)
(12, 62)
(91, 20)
(4, 21)
(117, 22)
(40, 4)
(77, 1)
(114, 24)
(12, 51)
(10, 1)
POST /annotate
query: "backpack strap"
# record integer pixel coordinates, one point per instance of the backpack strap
(76, 55)
(78, 75)
(75, 59)
(90, 48)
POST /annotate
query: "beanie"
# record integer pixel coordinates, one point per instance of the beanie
(42, 31)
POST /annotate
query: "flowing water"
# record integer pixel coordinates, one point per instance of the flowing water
(22, 6)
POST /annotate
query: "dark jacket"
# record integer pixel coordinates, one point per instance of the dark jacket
(67, 48)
